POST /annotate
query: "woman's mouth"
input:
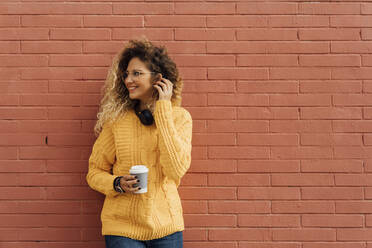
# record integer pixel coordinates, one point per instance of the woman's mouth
(132, 88)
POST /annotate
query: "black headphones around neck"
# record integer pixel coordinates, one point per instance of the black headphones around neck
(145, 115)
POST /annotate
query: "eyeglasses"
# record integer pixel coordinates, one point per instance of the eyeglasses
(135, 74)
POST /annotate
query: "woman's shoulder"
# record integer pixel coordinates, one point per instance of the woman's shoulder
(181, 112)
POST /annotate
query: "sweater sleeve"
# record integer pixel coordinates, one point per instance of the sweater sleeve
(175, 128)
(101, 160)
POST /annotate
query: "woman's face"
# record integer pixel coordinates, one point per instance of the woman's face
(138, 80)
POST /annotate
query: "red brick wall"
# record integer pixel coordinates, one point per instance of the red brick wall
(280, 94)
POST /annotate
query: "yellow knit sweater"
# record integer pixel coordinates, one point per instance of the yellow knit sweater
(165, 148)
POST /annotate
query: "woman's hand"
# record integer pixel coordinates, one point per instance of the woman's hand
(165, 88)
(127, 182)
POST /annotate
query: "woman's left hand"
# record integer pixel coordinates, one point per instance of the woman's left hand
(165, 88)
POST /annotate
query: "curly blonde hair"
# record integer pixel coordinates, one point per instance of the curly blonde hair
(116, 102)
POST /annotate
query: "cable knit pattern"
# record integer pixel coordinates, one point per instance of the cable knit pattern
(165, 148)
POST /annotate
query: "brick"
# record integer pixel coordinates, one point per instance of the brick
(204, 60)
(195, 234)
(51, 21)
(175, 21)
(225, 207)
(301, 73)
(354, 234)
(352, 100)
(257, 234)
(42, 126)
(238, 73)
(9, 47)
(80, 34)
(52, 73)
(366, 60)
(332, 166)
(351, 47)
(17, 113)
(267, 139)
(354, 207)
(329, 60)
(71, 86)
(329, 8)
(51, 47)
(80, 60)
(366, 8)
(298, 21)
(55, 8)
(217, 99)
(212, 113)
(229, 47)
(202, 193)
(268, 87)
(193, 73)
(139, 8)
(267, 8)
(296, 47)
(39, 152)
(331, 139)
(331, 86)
(332, 193)
(367, 139)
(332, 113)
(238, 126)
(224, 86)
(300, 100)
(368, 193)
(367, 113)
(225, 152)
(350, 21)
(268, 166)
(203, 34)
(329, 34)
(21, 139)
(194, 180)
(24, 34)
(112, 21)
(236, 21)
(10, 21)
(268, 220)
(238, 180)
(213, 139)
(22, 193)
(269, 193)
(353, 180)
(57, 234)
(72, 113)
(195, 207)
(210, 220)
(328, 220)
(268, 244)
(210, 165)
(303, 126)
(279, 34)
(302, 207)
(150, 33)
(181, 47)
(301, 152)
(20, 166)
(9, 100)
(355, 126)
(334, 245)
(187, 99)
(301, 179)
(304, 234)
(71, 193)
(279, 113)
(352, 152)
(366, 34)
(74, 166)
(204, 8)
(267, 60)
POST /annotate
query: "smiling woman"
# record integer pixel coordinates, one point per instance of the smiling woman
(141, 122)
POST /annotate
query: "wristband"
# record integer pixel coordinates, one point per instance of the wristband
(117, 186)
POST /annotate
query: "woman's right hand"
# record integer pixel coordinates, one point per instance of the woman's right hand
(127, 182)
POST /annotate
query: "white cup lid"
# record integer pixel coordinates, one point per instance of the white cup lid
(138, 169)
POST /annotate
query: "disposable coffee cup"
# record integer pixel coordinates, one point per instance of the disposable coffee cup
(141, 171)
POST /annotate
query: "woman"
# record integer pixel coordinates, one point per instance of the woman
(141, 122)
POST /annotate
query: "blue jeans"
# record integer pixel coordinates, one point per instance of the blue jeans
(174, 240)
